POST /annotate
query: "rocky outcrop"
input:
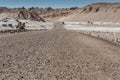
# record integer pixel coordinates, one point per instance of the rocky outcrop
(24, 14)
(20, 25)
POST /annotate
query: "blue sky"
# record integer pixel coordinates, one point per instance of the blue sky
(47, 3)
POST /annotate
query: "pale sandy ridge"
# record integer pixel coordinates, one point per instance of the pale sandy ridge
(97, 12)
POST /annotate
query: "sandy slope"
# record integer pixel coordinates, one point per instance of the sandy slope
(97, 12)
(57, 55)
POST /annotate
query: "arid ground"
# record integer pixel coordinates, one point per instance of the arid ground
(57, 54)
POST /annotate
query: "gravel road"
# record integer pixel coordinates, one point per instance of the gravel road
(57, 54)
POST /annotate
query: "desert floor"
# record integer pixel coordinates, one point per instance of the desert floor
(57, 54)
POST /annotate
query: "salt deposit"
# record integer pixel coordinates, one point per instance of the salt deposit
(77, 26)
(29, 24)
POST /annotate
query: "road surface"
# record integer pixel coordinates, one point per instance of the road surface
(57, 54)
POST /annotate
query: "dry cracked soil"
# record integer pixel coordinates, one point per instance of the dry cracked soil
(57, 54)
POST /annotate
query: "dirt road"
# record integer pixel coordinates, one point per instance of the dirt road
(57, 54)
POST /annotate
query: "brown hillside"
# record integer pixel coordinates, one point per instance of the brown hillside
(97, 12)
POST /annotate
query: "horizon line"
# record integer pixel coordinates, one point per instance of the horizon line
(55, 7)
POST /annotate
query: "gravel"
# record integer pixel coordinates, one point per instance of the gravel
(57, 54)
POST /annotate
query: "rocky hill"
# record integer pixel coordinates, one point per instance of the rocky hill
(35, 13)
(24, 14)
(20, 13)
